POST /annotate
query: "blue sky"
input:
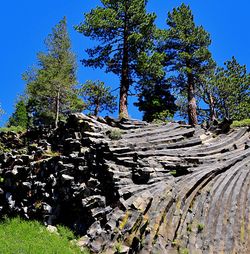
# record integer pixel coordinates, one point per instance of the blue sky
(25, 24)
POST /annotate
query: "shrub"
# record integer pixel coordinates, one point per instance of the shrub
(242, 123)
(115, 134)
(200, 227)
(12, 128)
(29, 237)
(3, 148)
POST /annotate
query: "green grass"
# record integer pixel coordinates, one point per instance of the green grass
(242, 123)
(30, 237)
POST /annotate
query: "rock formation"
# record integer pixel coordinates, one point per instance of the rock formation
(132, 187)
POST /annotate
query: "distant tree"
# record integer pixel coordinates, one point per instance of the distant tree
(227, 91)
(51, 88)
(97, 97)
(154, 97)
(20, 115)
(125, 30)
(187, 55)
(1, 111)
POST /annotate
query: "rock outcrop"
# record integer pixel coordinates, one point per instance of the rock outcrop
(132, 187)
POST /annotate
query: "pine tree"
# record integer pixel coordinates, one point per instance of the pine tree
(51, 87)
(20, 116)
(154, 97)
(227, 91)
(124, 30)
(97, 97)
(188, 57)
(1, 111)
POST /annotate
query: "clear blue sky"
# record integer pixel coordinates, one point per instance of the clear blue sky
(25, 24)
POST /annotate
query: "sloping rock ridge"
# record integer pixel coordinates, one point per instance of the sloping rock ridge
(132, 187)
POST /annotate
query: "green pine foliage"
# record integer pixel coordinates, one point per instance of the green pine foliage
(97, 97)
(229, 88)
(125, 31)
(51, 88)
(1, 112)
(29, 237)
(20, 116)
(156, 101)
(187, 55)
(154, 97)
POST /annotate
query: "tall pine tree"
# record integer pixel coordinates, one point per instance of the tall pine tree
(186, 46)
(227, 91)
(20, 116)
(51, 88)
(124, 30)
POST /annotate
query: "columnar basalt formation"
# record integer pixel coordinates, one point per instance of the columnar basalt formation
(132, 187)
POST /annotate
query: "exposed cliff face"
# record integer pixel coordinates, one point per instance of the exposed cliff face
(159, 189)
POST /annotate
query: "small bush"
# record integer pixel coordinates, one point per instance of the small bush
(115, 134)
(183, 251)
(200, 227)
(3, 148)
(29, 237)
(242, 123)
(12, 128)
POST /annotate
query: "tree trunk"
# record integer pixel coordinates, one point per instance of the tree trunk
(123, 103)
(192, 112)
(96, 110)
(57, 108)
(212, 108)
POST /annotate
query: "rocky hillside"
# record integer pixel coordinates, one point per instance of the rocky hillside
(132, 187)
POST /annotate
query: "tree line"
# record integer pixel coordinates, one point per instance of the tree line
(169, 70)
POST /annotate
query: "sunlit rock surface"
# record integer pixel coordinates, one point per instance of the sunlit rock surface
(132, 187)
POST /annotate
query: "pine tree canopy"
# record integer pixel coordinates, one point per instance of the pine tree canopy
(187, 54)
(51, 87)
(20, 116)
(229, 88)
(125, 31)
(97, 97)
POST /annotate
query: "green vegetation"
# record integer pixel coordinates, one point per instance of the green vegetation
(227, 91)
(51, 154)
(51, 88)
(173, 172)
(16, 129)
(29, 237)
(115, 134)
(97, 97)
(186, 47)
(125, 32)
(1, 111)
(183, 251)
(189, 228)
(118, 247)
(19, 118)
(3, 148)
(242, 123)
(169, 70)
(200, 227)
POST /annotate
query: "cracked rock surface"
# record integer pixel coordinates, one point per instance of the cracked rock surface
(157, 188)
